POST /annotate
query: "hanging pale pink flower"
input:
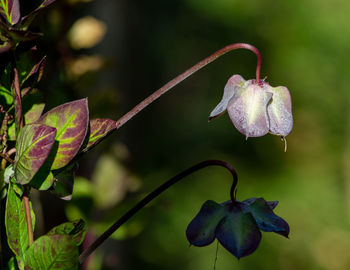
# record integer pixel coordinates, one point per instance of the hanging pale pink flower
(256, 108)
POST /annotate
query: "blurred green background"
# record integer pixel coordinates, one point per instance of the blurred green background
(118, 52)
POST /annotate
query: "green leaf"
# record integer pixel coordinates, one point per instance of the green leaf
(33, 146)
(9, 9)
(34, 113)
(75, 228)
(12, 264)
(52, 252)
(16, 224)
(19, 189)
(11, 132)
(99, 129)
(71, 121)
(6, 95)
(44, 179)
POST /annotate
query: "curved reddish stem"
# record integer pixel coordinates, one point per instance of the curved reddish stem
(143, 104)
(155, 193)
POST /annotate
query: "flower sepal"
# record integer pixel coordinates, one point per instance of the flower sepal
(236, 225)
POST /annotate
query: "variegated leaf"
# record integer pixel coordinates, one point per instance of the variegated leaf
(71, 121)
(33, 146)
(9, 9)
(99, 129)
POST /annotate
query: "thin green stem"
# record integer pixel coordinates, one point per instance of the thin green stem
(87, 252)
(143, 104)
(216, 254)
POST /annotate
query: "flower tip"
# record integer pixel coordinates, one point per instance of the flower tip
(283, 139)
(284, 233)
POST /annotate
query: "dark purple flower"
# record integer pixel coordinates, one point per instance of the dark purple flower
(236, 225)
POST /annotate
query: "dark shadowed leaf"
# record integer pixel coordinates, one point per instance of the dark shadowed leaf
(64, 182)
(77, 229)
(27, 20)
(266, 219)
(9, 9)
(4, 47)
(238, 233)
(29, 64)
(99, 129)
(20, 35)
(201, 231)
(33, 146)
(6, 77)
(31, 111)
(16, 224)
(52, 252)
(71, 121)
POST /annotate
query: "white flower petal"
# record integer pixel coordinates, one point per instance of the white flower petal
(280, 111)
(248, 110)
(229, 93)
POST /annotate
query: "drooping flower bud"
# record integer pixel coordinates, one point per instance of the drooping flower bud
(256, 108)
(236, 225)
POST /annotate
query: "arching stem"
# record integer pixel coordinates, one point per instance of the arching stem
(143, 104)
(87, 252)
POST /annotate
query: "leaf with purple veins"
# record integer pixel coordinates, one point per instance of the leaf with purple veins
(33, 146)
(34, 113)
(9, 9)
(99, 129)
(71, 121)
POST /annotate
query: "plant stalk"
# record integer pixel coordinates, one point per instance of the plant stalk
(28, 216)
(143, 104)
(19, 126)
(87, 252)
